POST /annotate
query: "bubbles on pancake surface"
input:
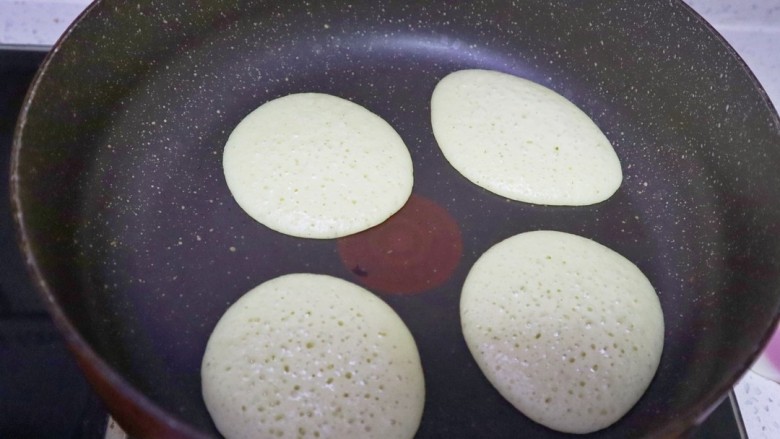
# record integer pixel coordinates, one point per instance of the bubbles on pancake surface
(521, 140)
(567, 330)
(313, 165)
(312, 356)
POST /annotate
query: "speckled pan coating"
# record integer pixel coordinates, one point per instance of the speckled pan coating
(136, 243)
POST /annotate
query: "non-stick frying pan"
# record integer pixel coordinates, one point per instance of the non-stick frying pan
(138, 247)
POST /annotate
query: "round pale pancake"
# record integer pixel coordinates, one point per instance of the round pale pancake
(567, 330)
(312, 356)
(521, 140)
(317, 166)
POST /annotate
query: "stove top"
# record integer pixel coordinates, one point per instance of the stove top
(42, 392)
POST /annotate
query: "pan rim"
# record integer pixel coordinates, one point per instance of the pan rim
(707, 405)
(101, 376)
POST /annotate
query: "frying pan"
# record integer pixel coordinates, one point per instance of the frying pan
(138, 247)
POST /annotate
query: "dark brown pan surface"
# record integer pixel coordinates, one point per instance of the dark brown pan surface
(134, 236)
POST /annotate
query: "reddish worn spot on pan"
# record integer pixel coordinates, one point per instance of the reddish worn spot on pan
(416, 250)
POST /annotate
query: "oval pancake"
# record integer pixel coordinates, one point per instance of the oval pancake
(312, 356)
(521, 140)
(313, 165)
(567, 330)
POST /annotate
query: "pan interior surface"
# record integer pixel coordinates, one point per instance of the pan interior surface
(124, 209)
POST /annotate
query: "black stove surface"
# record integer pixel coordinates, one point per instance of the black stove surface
(42, 392)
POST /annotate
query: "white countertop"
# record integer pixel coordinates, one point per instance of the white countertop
(751, 27)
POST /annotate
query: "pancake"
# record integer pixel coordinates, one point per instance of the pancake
(521, 140)
(313, 165)
(567, 330)
(312, 356)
